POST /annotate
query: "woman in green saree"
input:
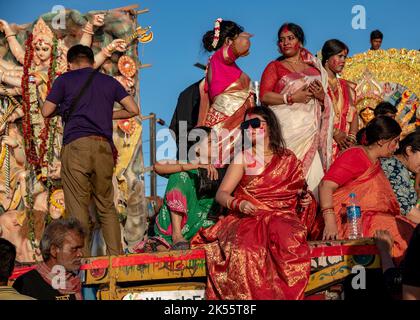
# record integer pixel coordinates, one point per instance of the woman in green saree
(184, 210)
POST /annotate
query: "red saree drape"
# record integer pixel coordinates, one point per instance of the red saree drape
(380, 208)
(343, 109)
(265, 255)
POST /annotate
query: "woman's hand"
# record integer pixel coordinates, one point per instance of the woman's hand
(306, 200)
(330, 229)
(384, 241)
(247, 207)
(341, 138)
(212, 172)
(303, 95)
(315, 87)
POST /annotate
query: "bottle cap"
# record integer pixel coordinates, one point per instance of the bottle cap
(352, 195)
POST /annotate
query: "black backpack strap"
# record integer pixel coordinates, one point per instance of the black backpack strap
(69, 111)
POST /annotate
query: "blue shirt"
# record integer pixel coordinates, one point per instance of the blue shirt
(93, 113)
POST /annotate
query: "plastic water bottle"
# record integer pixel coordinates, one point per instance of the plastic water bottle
(354, 218)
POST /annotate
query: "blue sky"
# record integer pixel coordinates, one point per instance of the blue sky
(179, 25)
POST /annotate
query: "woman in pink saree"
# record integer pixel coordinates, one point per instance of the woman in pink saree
(294, 87)
(226, 91)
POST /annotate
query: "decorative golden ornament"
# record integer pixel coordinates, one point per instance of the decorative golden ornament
(386, 75)
(127, 66)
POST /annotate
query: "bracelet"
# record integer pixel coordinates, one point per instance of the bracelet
(236, 204)
(328, 212)
(228, 203)
(10, 35)
(106, 52)
(285, 98)
(352, 138)
(289, 99)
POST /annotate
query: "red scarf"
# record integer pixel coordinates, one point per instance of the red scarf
(73, 284)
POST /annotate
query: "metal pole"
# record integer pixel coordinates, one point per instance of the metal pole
(153, 181)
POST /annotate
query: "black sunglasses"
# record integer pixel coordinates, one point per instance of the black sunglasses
(254, 123)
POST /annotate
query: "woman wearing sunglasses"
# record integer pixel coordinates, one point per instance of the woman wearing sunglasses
(358, 170)
(259, 250)
(227, 89)
(294, 86)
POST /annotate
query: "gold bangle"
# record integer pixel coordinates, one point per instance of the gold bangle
(228, 203)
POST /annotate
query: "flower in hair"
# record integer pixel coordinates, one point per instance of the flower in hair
(364, 141)
(216, 32)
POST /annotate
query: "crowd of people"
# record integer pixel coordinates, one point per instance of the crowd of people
(307, 152)
(316, 153)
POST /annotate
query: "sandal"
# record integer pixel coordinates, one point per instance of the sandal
(182, 245)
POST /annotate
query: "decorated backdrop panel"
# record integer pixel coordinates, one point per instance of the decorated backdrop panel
(392, 75)
(32, 56)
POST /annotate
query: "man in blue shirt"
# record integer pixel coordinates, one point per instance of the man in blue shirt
(88, 154)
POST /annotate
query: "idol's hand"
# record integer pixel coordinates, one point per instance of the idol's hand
(3, 128)
(119, 45)
(4, 27)
(9, 141)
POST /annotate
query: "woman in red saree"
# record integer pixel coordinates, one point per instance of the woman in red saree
(342, 95)
(294, 86)
(358, 170)
(259, 250)
(226, 91)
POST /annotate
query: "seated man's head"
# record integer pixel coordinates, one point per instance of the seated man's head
(385, 109)
(80, 56)
(62, 244)
(7, 260)
(376, 38)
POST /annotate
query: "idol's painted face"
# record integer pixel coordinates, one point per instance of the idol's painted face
(337, 62)
(289, 44)
(42, 51)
